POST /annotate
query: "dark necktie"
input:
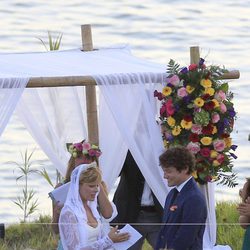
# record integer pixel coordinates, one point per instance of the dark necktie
(175, 192)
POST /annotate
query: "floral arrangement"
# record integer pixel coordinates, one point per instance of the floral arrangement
(197, 112)
(87, 149)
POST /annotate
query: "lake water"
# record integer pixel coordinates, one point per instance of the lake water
(157, 30)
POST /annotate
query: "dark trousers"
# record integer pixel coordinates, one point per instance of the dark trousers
(148, 225)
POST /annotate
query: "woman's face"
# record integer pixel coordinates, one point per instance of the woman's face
(88, 191)
(243, 191)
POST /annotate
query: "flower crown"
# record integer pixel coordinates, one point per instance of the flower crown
(87, 149)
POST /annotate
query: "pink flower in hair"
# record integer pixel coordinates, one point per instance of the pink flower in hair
(78, 146)
(86, 146)
(98, 153)
(94, 152)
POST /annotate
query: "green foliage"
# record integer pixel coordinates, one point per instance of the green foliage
(53, 42)
(173, 67)
(26, 202)
(229, 231)
(36, 235)
(45, 175)
(228, 180)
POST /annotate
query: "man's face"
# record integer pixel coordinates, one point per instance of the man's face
(175, 177)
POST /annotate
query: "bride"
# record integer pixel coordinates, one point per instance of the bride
(80, 223)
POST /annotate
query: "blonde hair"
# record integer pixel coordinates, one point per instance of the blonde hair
(92, 174)
(72, 165)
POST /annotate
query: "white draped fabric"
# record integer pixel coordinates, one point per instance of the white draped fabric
(131, 103)
(11, 90)
(127, 111)
(51, 115)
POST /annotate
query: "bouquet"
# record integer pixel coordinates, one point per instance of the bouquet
(197, 112)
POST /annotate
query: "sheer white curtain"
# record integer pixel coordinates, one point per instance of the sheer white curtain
(131, 104)
(54, 116)
(11, 90)
(130, 123)
(111, 143)
(210, 231)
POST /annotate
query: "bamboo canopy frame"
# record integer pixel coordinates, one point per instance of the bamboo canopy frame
(89, 82)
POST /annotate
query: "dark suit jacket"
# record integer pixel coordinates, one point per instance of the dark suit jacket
(127, 197)
(189, 208)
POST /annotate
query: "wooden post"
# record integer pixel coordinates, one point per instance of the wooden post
(194, 55)
(93, 135)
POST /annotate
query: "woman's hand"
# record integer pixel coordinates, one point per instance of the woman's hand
(244, 208)
(57, 209)
(105, 206)
(115, 236)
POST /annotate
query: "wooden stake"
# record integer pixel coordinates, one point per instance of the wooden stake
(93, 135)
(194, 55)
(87, 44)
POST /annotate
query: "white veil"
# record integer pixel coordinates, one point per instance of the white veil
(73, 218)
(73, 200)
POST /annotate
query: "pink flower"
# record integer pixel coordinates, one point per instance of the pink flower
(98, 153)
(223, 108)
(220, 158)
(86, 146)
(205, 152)
(196, 128)
(182, 92)
(163, 110)
(192, 67)
(78, 146)
(219, 145)
(215, 117)
(174, 80)
(170, 107)
(220, 96)
(193, 147)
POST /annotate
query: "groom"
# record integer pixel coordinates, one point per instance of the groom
(185, 208)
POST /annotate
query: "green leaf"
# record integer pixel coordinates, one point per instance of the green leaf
(45, 175)
(224, 87)
(173, 67)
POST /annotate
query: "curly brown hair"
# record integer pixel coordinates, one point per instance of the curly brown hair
(178, 157)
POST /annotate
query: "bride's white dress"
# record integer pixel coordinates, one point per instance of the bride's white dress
(78, 235)
(93, 233)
